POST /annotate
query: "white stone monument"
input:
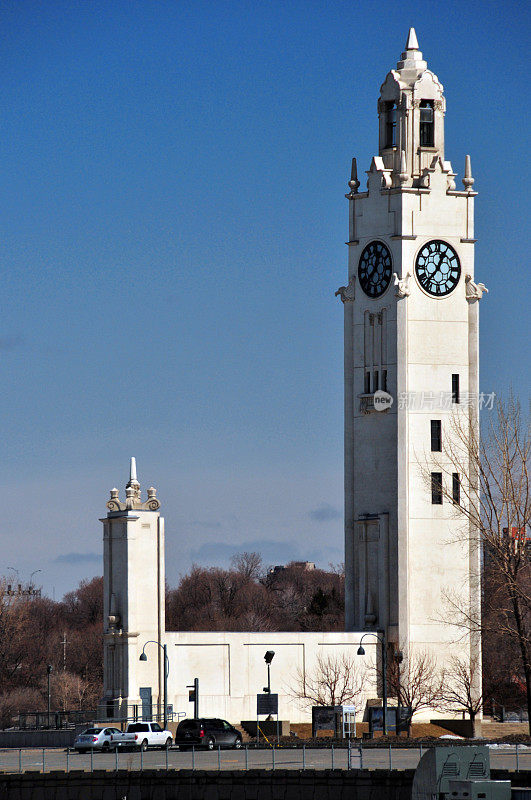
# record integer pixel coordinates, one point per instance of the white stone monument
(411, 362)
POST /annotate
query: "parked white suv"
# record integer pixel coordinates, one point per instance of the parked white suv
(146, 734)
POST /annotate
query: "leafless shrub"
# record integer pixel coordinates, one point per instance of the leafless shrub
(334, 681)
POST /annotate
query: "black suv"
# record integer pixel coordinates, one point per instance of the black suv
(209, 733)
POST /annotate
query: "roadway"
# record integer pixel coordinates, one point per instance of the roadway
(14, 760)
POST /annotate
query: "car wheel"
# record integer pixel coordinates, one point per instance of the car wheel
(105, 747)
(144, 745)
(183, 747)
(238, 744)
(210, 743)
(80, 751)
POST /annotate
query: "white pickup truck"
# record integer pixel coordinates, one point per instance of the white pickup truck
(142, 735)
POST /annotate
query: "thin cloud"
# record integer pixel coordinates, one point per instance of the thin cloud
(78, 558)
(220, 553)
(325, 513)
(204, 525)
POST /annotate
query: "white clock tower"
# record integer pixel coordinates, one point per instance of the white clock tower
(411, 331)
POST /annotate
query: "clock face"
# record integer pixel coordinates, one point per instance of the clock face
(438, 268)
(374, 270)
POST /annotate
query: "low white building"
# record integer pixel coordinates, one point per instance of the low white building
(229, 665)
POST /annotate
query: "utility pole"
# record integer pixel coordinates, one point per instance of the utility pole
(49, 669)
(64, 643)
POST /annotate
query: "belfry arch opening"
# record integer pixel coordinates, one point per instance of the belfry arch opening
(427, 123)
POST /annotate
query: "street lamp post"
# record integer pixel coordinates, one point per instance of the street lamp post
(143, 657)
(380, 636)
(49, 669)
(268, 658)
(32, 574)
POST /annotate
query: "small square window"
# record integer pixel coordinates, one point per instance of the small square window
(436, 489)
(456, 488)
(455, 388)
(436, 443)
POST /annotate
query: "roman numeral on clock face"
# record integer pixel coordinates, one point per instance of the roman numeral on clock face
(437, 268)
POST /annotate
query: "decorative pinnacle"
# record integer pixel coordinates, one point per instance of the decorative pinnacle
(133, 499)
(468, 180)
(412, 41)
(353, 182)
(132, 488)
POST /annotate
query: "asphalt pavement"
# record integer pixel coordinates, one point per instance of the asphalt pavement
(14, 760)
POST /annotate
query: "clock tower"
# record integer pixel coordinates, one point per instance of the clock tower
(411, 370)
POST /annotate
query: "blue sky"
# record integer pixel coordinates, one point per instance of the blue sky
(172, 234)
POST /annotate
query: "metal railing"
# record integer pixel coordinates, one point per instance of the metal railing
(58, 720)
(352, 756)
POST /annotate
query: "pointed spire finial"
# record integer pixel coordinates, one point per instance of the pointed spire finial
(468, 180)
(412, 42)
(132, 470)
(353, 182)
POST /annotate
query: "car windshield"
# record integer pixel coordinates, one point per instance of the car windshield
(93, 731)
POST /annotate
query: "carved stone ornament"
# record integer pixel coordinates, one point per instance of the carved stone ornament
(474, 291)
(402, 285)
(347, 293)
(133, 499)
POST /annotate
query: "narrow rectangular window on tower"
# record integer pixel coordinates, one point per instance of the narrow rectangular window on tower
(367, 387)
(384, 380)
(427, 124)
(456, 488)
(436, 443)
(375, 385)
(390, 124)
(455, 388)
(436, 489)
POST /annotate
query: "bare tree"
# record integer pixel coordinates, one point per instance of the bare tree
(416, 683)
(487, 480)
(249, 565)
(459, 689)
(335, 681)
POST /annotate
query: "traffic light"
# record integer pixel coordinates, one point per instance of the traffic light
(193, 696)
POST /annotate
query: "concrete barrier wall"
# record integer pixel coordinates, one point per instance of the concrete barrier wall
(225, 785)
(52, 738)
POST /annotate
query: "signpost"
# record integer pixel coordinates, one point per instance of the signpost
(193, 696)
(266, 704)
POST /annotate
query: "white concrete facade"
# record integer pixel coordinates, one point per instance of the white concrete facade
(229, 665)
(402, 552)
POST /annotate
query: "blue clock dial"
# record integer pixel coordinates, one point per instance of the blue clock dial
(375, 269)
(438, 268)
